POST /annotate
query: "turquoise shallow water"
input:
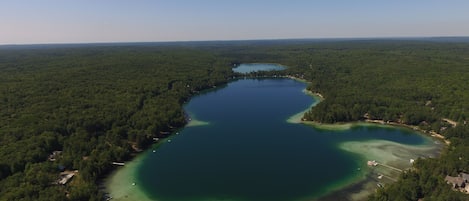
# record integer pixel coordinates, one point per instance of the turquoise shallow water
(247, 68)
(248, 151)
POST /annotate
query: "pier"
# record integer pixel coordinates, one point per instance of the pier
(390, 167)
(374, 163)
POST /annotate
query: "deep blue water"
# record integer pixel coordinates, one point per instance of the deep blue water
(249, 151)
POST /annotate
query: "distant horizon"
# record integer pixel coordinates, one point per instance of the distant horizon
(246, 40)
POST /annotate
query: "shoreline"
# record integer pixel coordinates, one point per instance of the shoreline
(361, 187)
(122, 184)
(318, 97)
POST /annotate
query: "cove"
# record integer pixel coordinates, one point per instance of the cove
(247, 150)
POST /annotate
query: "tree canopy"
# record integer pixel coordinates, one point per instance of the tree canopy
(103, 103)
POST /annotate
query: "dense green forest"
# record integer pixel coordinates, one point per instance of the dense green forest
(103, 103)
(96, 104)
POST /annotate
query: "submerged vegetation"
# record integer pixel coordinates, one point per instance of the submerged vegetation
(100, 104)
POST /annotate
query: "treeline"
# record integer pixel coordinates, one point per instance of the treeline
(96, 105)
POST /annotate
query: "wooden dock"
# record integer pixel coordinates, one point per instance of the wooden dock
(390, 167)
(374, 163)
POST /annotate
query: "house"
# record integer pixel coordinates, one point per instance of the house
(65, 177)
(456, 182)
(54, 155)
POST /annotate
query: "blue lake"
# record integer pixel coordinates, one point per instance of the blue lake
(248, 151)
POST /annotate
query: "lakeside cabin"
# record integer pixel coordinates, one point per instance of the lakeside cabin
(460, 182)
(65, 177)
(54, 155)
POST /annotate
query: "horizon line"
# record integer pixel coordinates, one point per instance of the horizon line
(234, 40)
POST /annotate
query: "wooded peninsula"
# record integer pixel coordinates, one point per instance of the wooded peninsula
(80, 110)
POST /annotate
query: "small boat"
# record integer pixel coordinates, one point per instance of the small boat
(169, 140)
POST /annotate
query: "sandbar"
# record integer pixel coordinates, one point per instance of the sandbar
(195, 122)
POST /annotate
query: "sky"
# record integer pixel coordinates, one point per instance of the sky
(90, 21)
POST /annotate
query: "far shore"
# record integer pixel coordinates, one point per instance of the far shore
(298, 118)
(372, 122)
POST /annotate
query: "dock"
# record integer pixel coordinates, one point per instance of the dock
(117, 163)
(390, 167)
(374, 163)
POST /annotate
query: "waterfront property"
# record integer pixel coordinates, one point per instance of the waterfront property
(460, 182)
(66, 176)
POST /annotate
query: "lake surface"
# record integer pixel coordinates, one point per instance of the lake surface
(247, 68)
(248, 151)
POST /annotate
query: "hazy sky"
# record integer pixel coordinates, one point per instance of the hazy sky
(78, 21)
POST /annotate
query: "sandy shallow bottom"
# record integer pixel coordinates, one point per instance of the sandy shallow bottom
(297, 118)
(122, 185)
(393, 158)
(196, 122)
(393, 155)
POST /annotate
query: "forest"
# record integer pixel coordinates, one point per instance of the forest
(101, 103)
